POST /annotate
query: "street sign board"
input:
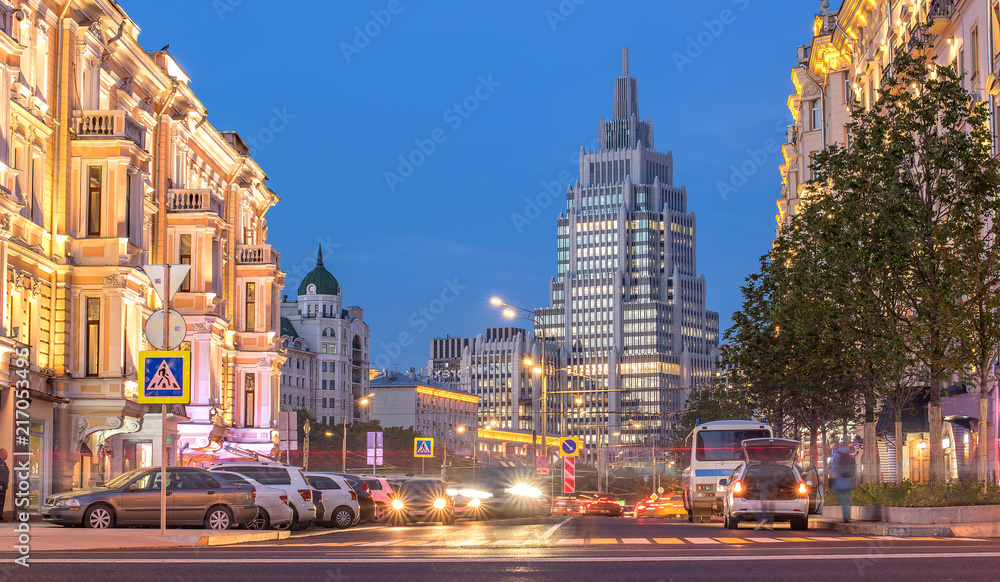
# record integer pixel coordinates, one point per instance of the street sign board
(375, 448)
(176, 327)
(569, 447)
(288, 430)
(164, 377)
(542, 466)
(569, 475)
(157, 277)
(423, 447)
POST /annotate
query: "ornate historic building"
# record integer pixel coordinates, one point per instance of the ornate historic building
(327, 348)
(108, 163)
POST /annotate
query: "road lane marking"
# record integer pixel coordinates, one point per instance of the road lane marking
(796, 539)
(411, 543)
(553, 529)
(818, 539)
(855, 538)
(763, 540)
(570, 542)
(603, 541)
(388, 543)
(701, 540)
(677, 557)
(668, 541)
(636, 541)
(733, 540)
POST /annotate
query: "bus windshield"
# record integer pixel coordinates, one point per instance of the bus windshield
(724, 445)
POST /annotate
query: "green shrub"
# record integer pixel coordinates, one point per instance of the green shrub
(910, 494)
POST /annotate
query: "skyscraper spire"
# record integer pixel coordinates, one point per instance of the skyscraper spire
(319, 257)
(625, 62)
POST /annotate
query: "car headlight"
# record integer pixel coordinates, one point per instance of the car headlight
(453, 492)
(475, 502)
(440, 503)
(474, 493)
(397, 504)
(524, 490)
(67, 503)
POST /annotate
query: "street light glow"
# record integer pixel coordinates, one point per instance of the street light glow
(496, 301)
(528, 362)
(536, 370)
(509, 313)
(363, 401)
(460, 429)
(579, 400)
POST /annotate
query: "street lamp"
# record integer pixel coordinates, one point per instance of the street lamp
(343, 446)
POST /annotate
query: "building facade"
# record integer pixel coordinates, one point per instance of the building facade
(108, 163)
(327, 367)
(627, 304)
(446, 359)
(431, 408)
(842, 70)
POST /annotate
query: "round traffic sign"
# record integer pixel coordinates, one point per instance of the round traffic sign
(176, 327)
(542, 462)
(569, 446)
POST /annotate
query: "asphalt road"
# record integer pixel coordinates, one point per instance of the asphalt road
(579, 549)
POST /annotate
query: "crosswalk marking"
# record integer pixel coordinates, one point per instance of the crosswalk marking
(636, 541)
(603, 541)
(733, 540)
(570, 542)
(797, 539)
(833, 539)
(668, 541)
(763, 540)
(701, 540)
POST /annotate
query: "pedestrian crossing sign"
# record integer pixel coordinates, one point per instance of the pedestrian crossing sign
(165, 377)
(423, 447)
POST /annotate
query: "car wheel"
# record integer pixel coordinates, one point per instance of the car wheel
(219, 518)
(297, 525)
(261, 521)
(99, 517)
(343, 517)
(380, 512)
(800, 523)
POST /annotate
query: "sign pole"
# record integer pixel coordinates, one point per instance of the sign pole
(163, 407)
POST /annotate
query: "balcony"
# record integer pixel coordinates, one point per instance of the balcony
(257, 255)
(886, 75)
(939, 15)
(193, 201)
(108, 125)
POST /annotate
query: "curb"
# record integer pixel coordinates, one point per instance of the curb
(886, 529)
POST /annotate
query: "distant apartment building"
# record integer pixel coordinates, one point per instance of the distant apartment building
(327, 349)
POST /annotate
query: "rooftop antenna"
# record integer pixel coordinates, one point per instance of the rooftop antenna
(625, 62)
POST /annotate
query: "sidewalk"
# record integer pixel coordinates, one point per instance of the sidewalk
(47, 537)
(885, 528)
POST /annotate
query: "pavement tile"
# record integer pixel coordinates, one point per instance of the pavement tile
(593, 541)
(669, 541)
(636, 541)
(701, 541)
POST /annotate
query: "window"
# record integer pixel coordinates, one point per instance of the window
(724, 445)
(185, 257)
(94, 202)
(249, 384)
(814, 114)
(974, 54)
(93, 335)
(251, 306)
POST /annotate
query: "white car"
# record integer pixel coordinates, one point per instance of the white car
(340, 502)
(286, 477)
(381, 491)
(274, 509)
(766, 486)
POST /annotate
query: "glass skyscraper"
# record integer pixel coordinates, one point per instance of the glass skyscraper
(627, 303)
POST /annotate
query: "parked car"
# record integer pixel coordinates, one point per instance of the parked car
(769, 465)
(340, 501)
(380, 489)
(660, 506)
(194, 497)
(273, 507)
(286, 477)
(422, 500)
(366, 502)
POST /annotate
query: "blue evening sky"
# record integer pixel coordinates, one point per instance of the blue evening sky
(423, 253)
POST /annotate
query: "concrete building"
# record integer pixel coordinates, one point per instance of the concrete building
(446, 359)
(627, 303)
(430, 407)
(842, 69)
(109, 163)
(327, 367)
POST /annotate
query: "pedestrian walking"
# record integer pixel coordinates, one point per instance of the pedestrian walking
(844, 470)
(4, 480)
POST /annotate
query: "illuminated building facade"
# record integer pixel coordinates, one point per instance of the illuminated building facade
(107, 164)
(627, 304)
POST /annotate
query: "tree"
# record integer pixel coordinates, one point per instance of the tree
(720, 399)
(909, 196)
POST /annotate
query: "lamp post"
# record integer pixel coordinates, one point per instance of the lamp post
(305, 445)
(343, 448)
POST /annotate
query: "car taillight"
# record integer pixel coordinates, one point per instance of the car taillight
(737, 487)
(253, 494)
(306, 494)
(354, 496)
(802, 489)
(284, 499)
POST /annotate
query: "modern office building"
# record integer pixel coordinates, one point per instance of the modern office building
(627, 302)
(446, 359)
(327, 367)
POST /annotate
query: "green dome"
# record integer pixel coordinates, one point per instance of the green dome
(325, 282)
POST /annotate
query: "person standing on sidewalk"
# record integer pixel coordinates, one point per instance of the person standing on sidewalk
(844, 470)
(4, 480)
